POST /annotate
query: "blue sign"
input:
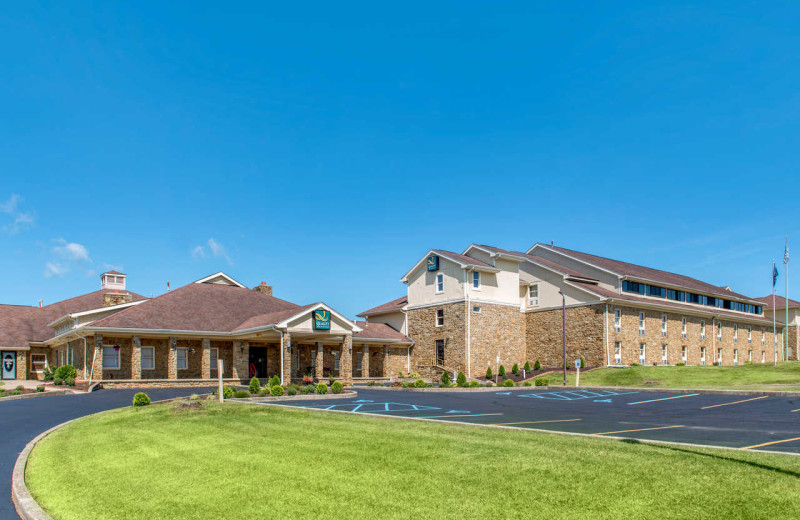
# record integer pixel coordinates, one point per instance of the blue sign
(433, 263)
(577, 363)
(322, 320)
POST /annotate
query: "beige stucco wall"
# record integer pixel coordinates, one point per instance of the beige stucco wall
(498, 287)
(396, 320)
(421, 283)
(607, 280)
(549, 285)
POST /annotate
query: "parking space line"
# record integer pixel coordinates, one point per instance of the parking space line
(642, 429)
(534, 422)
(770, 443)
(663, 399)
(798, 410)
(453, 415)
(735, 402)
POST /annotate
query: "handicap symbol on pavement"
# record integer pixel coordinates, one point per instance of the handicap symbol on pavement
(363, 401)
(458, 411)
(601, 401)
(503, 393)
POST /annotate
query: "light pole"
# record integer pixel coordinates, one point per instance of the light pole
(564, 331)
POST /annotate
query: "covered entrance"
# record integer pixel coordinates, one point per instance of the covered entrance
(9, 360)
(258, 362)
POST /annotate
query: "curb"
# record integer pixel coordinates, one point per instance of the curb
(774, 393)
(35, 394)
(301, 397)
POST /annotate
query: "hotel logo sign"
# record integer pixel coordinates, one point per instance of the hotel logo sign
(322, 320)
(433, 263)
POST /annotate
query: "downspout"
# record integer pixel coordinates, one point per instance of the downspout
(713, 341)
(283, 350)
(608, 359)
(469, 330)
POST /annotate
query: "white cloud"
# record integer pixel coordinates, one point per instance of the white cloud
(113, 267)
(54, 269)
(72, 251)
(212, 248)
(21, 220)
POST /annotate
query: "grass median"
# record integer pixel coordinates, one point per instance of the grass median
(245, 461)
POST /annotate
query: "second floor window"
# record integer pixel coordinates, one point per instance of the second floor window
(533, 294)
(439, 283)
(440, 317)
(719, 330)
(641, 323)
(663, 324)
(749, 334)
(683, 327)
(476, 280)
(617, 320)
(702, 330)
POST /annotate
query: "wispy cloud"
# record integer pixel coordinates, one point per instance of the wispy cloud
(20, 220)
(52, 269)
(72, 251)
(211, 248)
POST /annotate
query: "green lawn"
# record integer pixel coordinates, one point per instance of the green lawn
(786, 376)
(243, 461)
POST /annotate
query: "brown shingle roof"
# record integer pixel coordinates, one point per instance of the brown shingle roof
(394, 305)
(380, 331)
(200, 307)
(464, 259)
(556, 266)
(20, 325)
(780, 302)
(648, 273)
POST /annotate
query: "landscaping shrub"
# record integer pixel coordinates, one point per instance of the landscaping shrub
(489, 384)
(501, 371)
(308, 380)
(445, 377)
(308, 389)
(65, 371)
(274, 380)
(746, 363)
(276, 391)
(583, 362)
(241, 394)
(291, 390)
(414, 375)
(540, 381)
(489, 374)
(406, 384)
(508, 382)
(69, 381)
(419, 383)
(57, 381)
(47, 374)
(474, 384)
(526, 383)
(682, 364)
(537, 365)
(322, 389)
(15, 392)
(515, 369)
(40, 388)
(264, 391)
(634, 364)
(527, 367)
(337, 387)
(255, 385)
(227, 392)
(461, 380)
(141, 399)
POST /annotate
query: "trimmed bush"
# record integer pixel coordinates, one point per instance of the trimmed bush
(276, 391)
(527, 367)
(461, 380)
(255, 385)
(57, 381)
(70, 381)
(501, 371)
(274, 380)
(337, 387)
(583, 362)
(537, 365)
(515, 369)
(489, 374)
(489, 384)
(241, 394)
(65, 371)
(682, 364)
(47, 374)
(508, 382)
(474, 384)
(540, 381)
(419, 383)
(322, 389)
(445, 377)
(141, 399)
(526, 383)
(264, 391)
(291, 390)
(227, 392)
(308, 389)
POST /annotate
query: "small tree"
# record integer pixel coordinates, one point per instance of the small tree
(583, 362)
(502, 371)
(141, 399)
(461, 380)
(489, 374)
(508, 382)
(537, 365)
(255, 386)
(66, 371)
(527, 367)
(515, 369)
(445, 378)
(337, 387)
(274, 380)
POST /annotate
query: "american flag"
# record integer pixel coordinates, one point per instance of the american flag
(786, 253)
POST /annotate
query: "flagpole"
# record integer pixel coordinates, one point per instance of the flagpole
(774, 312)
(786, 303)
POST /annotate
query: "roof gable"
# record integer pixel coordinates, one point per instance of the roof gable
(220, 278)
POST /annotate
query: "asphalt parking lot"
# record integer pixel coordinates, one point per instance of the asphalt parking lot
(738, 421)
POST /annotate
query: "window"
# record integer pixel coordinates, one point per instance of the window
(110, 357)
(663, 324)
(703, 329)
(440, 317)
(148, 358)
(735, 332)
(719, 330)
(183, 359)
(476, 280)
(617, 353)
(439, 283)
(763, 337)
(684, 351)
(683, 327)
(38, 362)
(440, 352)
(617, 320)
(702, 355)
(214, 357)
(749, 356)
(633, 287)
(735, 357)
(641, 323)
(658, 292)
(533, 294)
(763, 356)
(664, 354)
(719, 356)
(749, 334)
(359, 361)
(641, 353)
(336, 355)
(476, 309)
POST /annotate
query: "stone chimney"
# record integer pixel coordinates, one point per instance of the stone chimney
(264, 288)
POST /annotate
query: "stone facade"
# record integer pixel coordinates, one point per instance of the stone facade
(496, 331)
(116, 298)
(423, 328)
(584, 336)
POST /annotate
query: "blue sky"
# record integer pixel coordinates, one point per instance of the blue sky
(324, 148)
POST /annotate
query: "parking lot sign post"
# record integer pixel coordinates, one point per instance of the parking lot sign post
(578, 375)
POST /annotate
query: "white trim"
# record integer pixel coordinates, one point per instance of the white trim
(486, 268)
(438, 280)
(75, 315)
(177, 358)
(118, 356)
(459, 300)
(493, 254)
(316, 306)
(221, 275)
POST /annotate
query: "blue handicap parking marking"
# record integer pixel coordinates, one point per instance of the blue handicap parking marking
(372, 407)
(458, 411)
(575, 395)
(502, 393)
(364, 401)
